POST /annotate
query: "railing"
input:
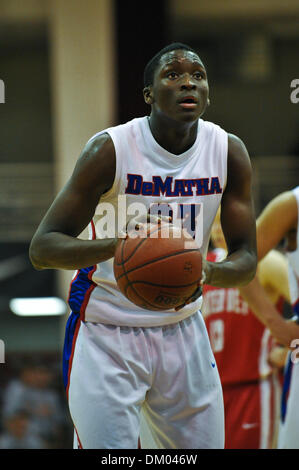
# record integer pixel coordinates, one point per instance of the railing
(26, 191)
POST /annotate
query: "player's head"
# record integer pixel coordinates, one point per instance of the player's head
(154, 62)
(176, 84)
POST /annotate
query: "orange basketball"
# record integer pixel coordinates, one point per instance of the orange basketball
(157, 272)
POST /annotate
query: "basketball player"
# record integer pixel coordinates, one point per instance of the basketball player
(278, 221)
(241, 345)
(119, 358)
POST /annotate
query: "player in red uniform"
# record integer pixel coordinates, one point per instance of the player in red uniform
(241, 345)
(279, 221)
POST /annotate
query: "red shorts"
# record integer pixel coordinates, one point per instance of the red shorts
(250, 414)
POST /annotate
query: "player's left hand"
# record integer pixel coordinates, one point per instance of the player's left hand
(206, 272)
(206, 269)
(197, 293)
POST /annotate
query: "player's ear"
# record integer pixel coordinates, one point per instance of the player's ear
(148, 95)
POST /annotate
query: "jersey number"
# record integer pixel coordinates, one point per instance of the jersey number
(190, 216)
(217, 335)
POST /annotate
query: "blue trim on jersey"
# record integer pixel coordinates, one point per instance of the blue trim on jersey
(79, 287)
(68, 344)
(286, 388)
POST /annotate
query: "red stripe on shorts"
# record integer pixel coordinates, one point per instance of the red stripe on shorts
(79, 442)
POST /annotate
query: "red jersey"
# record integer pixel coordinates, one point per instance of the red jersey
(240, 342)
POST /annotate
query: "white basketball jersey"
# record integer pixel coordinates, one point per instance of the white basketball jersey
(191, 182)
(293, 257)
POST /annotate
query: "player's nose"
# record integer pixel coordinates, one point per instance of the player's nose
(188, 83)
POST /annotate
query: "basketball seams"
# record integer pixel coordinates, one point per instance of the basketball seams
(130, 256)
(129, 287)
(125, 273)
(130, 284)
(177, 286)
(148, 304)
(136, 247)
(152, 261)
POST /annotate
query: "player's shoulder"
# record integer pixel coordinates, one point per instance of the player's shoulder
(286, 198)
(97, 161)
(111, 134)
(283, 207)
(98, 148)
(236, 148)
(212, 127)
(99, 139)
(239, 163)
(235, 144)
(122, 127)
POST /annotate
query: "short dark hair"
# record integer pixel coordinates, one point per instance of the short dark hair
(149, 71)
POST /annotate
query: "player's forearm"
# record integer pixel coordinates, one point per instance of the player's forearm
(254, 294)
(284, 331)
(59, 251)
(236, 270)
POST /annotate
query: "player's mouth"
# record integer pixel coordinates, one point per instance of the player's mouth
(188, 102)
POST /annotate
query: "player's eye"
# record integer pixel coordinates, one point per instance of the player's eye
(172, 75)
(198, 75)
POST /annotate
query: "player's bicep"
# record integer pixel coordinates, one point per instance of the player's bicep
(69, 213)
(75, 204)
(237, 208)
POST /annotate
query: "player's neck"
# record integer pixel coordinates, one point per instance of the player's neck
(174, 137)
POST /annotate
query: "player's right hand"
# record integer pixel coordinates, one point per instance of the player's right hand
(138, 222)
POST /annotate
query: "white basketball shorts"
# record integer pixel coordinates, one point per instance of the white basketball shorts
(113, 374)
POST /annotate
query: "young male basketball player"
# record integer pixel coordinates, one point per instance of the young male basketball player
(242, 344)
(119, 358)
(277, 221)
